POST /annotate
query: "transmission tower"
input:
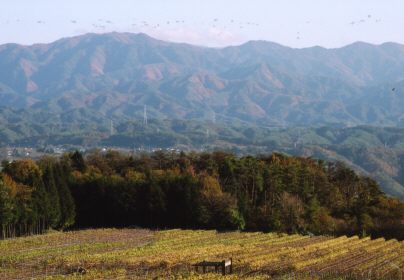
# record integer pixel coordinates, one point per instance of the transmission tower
(145, 115)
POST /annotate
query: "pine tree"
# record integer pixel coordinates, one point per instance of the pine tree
(54, 214)
(6, 209)
(41, 205)
(67, 205)
(156, 203)
(77, 161)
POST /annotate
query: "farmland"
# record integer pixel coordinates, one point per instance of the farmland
(169, 254)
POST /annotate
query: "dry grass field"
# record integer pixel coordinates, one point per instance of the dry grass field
(169, 254)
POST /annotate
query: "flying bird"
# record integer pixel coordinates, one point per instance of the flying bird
(393, 89)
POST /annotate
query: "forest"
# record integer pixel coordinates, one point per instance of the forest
(377, 152)
(215, 190)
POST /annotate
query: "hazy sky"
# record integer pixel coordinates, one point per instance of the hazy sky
(296, 23)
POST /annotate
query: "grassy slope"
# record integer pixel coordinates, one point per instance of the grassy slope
(143, 254)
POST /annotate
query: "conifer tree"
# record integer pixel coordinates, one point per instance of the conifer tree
(67, 206)
(6, 209)
(54, 211)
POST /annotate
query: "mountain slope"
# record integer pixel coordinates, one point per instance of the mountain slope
(261, 82)
(377, 152)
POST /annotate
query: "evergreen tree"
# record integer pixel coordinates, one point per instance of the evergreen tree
(77, 161)
(155, 203)
(41, 206)
(6, 209)
(67, 205)
(54, 211)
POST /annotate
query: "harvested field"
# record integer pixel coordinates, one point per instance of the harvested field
(169, 254)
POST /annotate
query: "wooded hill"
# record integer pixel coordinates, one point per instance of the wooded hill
(377, 152)
(207, 190)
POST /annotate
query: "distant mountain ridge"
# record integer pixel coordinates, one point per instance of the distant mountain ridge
(117, 74)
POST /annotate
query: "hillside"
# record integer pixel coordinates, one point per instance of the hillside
(193, 190)
(116, 74)
(169, 254)
(377, 152)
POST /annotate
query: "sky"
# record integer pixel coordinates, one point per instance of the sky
(214, 23)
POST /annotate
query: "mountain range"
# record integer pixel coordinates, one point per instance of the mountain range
(91, 91)
(259, 82)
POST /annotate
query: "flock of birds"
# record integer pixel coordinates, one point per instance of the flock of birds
(103, 24)
(106, 24)
(369, 18)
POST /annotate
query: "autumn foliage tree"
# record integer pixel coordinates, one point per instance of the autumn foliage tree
(195, 190)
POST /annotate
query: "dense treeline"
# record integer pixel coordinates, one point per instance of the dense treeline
(35, 196)
(215, 190)
(366, 148)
